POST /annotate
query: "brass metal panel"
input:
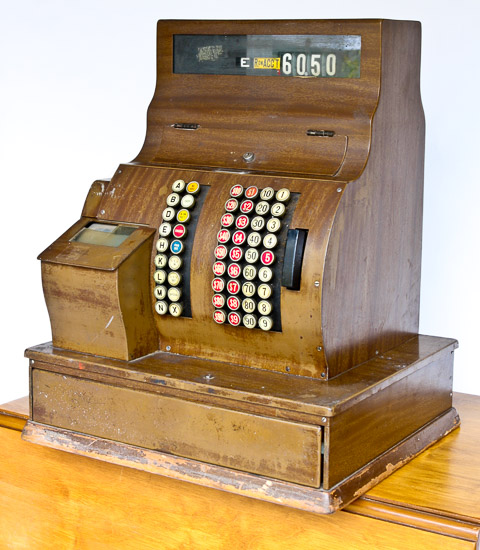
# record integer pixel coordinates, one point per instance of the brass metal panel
(270, 447)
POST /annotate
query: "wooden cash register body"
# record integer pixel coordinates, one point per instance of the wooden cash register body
(311, 415)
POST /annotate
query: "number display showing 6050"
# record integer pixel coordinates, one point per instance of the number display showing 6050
(301, 64)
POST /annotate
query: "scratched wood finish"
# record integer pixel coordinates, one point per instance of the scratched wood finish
(266, 446)
(371, 285)
(427, 494)
(100, 311)
(360, 284)
(374, 419)
(298, 348)
(271, 111)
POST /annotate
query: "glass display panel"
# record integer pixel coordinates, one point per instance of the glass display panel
(103, 234)
(318, 56)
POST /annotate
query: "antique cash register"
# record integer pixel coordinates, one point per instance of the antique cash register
(238, 306)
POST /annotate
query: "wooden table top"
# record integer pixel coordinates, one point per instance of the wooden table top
(431, 502)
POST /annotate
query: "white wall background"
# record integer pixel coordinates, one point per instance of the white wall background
(75, 82)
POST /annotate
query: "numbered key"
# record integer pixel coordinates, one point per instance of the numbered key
(283, 195)
(218, 284)
(242, 221)
(239, 237)
(249, 320)
(267, 258)
(249, 272)
(258, 223)
(246, 206)
(270, 241)
(249, 305)
(252, 255)
(265, 291)
(233, 287)
(265, 274)
(218, 301)
(219, 316)
(248, 289)
(267, 194)
(221, 252)
(234, 318)
(234, 271)
(233, 303)
(278, 210)
(223, 236)
(236, 254)
(251, 192)
(274, 225)
(254, 239)
(236, 191)
(231, 205)
(265, 307)
(227, 220)
(262, 208)
(265, 323)
(219, 268)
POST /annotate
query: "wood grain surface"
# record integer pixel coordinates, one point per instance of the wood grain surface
(50, 499)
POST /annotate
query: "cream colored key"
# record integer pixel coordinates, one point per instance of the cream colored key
(161, 307)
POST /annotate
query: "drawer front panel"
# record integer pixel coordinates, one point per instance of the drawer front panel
(270, 447)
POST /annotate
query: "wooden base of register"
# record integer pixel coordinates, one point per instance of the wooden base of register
(304, 443)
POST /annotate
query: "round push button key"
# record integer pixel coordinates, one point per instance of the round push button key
(265, 307)
(179, 231)
(174, 294)
(247, 206)
(188, 201)
(265, 323)
(175, 263)
(278, 210)
(165, 229)
(218, 284)
(258, 223)
(262, 208)
(160, 260)
(175, 309)
(267, 194)
(161, 307)
(173, 199)
(248, 289)
(223, 236)
(267, 258)
(219, 268)
(178, 186)
(233, 287)
(254, 239)
(218, 301)
(183, 216)
(283, 195)
(160, 292)
(227, 220)
(219, 316)
(231, 205)
(264, 291)
(249, 320)
(234, 318)
(270, 241)
(239, 237)
(234, 271)
(177, 247)
(168, 214)
(249, 305)
(242, 221)
(236, 254)
(174, 278)
(160, 276)
(274, 225)
(251, 192)
(249, 272)
(221, 252)
(236, 191)
(162, 244)
(251, 255)
(233, 303)
(265, 274)
(193, 188)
